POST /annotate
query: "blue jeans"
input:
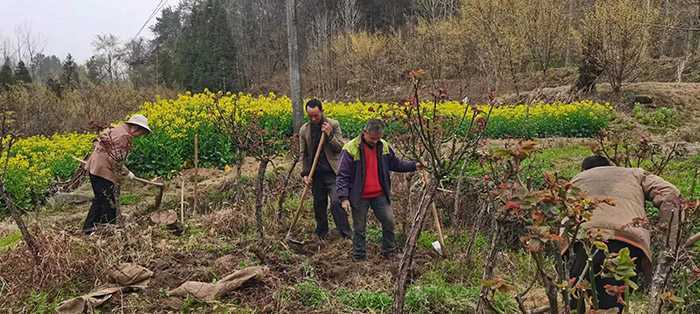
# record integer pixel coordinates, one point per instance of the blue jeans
(382, 210)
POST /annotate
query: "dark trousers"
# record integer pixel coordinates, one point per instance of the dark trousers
(382, 210)
(605, 300)
(323, 189)
(104, 205)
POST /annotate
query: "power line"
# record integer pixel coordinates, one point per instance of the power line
(155, 11)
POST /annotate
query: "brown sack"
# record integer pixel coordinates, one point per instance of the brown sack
(130, 275)
(126, 275)
(209, 292)
(86, 302)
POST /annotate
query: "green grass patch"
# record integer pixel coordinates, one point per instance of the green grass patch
(441, 298)
(40, 303)
(129, 199)
(194, 231)
(462, 241)
(459, 271)
(682, 173)
(10, 241)
(432, 294)
(291, 204)
(659, 120)
(374, 234)
(505, 303)
(426, 239)
(365, 300)
(192, 305)
(564, 160)
(310, 294)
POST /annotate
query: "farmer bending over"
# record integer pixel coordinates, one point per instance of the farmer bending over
(106, 168)
(364, 181)
(323, 180)
(628, 189)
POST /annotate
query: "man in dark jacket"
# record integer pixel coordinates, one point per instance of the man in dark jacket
(323, 180)
(364, 181)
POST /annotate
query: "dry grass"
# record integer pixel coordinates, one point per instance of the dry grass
(39, 111)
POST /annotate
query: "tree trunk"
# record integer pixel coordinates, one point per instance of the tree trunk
(294, 72)
(259, 184)
(658, 283)
(569, 18)
(550, 288)
(488, 269)
(476, 225)
(17, 216)
(588, 71)
(410, 248)
(562, 276)
(283, 194)
(458, 196)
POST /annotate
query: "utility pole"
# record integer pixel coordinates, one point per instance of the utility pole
(294, 73)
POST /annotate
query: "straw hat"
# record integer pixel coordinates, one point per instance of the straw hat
(139, 120)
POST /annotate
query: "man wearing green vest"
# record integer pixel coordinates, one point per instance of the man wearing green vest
(364, 181)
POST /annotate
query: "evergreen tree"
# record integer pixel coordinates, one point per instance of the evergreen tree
(7, 78)
(45, 67)
(69, 77)
(95, 69)
(167, 29)
(22, 73)
(206, 55)
(55, 86)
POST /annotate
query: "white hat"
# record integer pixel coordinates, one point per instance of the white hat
(139, 120)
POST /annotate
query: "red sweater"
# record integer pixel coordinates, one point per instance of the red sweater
(373, 187)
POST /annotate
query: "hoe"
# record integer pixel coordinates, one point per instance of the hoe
(161, 186)
(306, 191)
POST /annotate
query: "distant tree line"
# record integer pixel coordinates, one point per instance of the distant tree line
(364, 45)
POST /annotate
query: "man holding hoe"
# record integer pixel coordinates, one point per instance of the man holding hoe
(322, 133)
(106, 168)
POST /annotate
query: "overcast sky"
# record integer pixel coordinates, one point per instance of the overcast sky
(70, 26)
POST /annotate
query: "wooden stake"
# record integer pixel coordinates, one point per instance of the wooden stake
(196, 171)
(441, 237)
(182, 200)
(438, 225)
